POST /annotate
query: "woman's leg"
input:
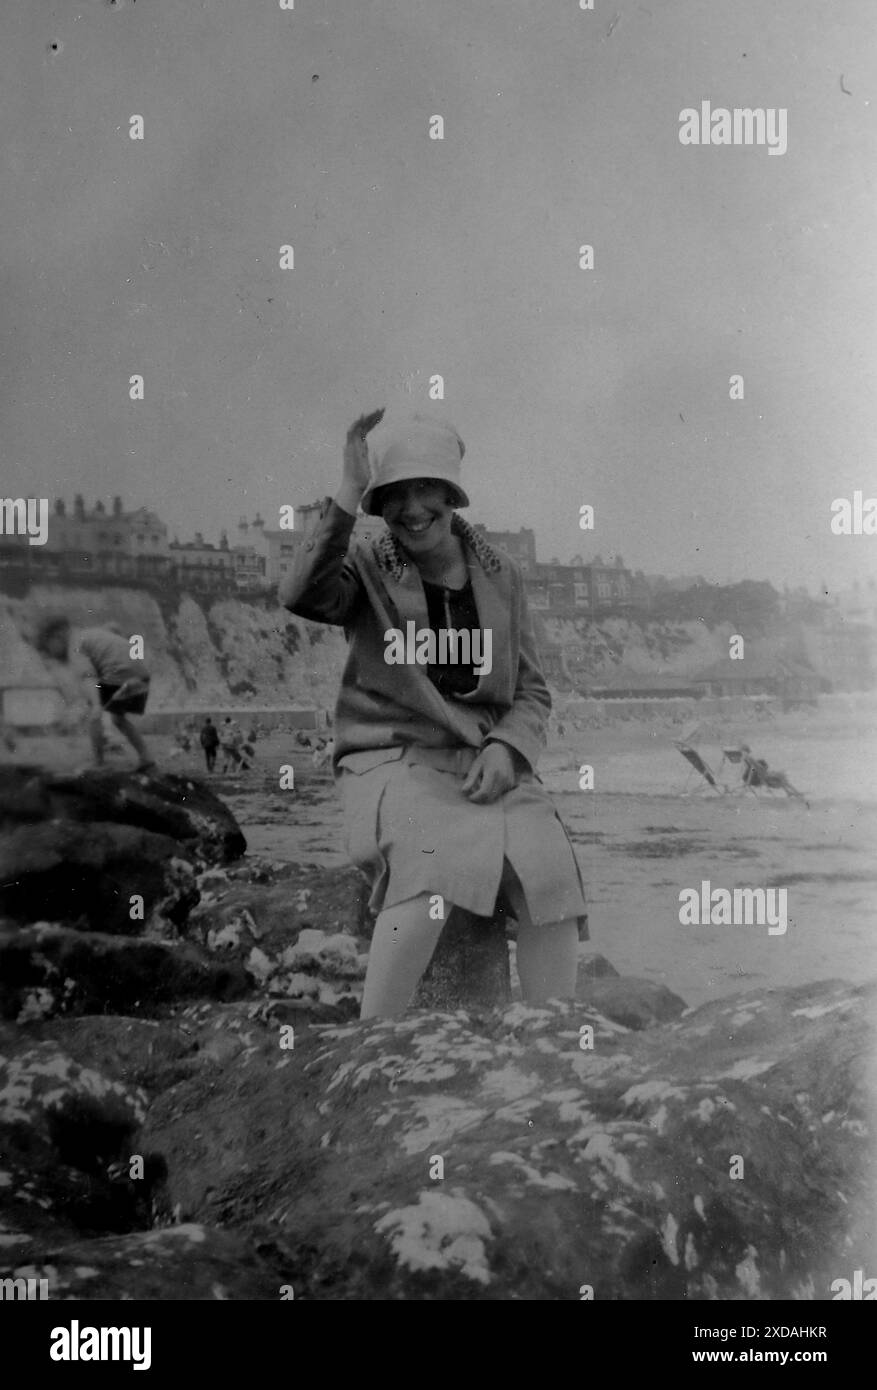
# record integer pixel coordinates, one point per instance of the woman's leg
(404, 939)
(547, 956)
(547, 960)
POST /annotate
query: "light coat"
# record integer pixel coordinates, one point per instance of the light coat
(382, 705)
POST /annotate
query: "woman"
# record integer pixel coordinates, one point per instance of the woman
(436, 762)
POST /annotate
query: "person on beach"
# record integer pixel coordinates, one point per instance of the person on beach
(111, 680)
(436, 762)
(230, 740)
(209, 739)
(322, 754)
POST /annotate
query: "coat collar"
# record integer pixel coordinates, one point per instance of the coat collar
(393, 560)
(491, 590)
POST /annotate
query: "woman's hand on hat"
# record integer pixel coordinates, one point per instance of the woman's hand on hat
(357, 472)
(491, 775)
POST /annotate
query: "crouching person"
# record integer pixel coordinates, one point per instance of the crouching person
(435, 755)
(102, 668)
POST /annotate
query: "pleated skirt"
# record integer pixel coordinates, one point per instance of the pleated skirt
(411, 830)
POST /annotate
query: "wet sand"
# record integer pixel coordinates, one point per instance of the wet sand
(641, 838)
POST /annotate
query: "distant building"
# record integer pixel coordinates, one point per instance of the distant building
(274, 548)
(780, 677)
(520, 545)
(140, 533)
(610, 585)
(250, 569)
(201, 565)
(558, 587)
(95, 542)
(580, 589)
(277, 547)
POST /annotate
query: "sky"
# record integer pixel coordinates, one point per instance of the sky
(413, 257)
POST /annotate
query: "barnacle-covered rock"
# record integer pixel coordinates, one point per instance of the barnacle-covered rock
(532, 1152)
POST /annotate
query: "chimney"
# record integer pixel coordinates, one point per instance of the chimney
(79, 507)
(60, 507)
(99, 508)
(117, 506)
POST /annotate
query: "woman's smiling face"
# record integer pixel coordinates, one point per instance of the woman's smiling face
(418, 513)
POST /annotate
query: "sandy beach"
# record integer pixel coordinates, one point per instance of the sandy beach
(646, 832)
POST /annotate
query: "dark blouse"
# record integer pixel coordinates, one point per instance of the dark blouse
(451, 608)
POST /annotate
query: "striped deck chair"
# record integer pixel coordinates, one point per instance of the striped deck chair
(694, 759)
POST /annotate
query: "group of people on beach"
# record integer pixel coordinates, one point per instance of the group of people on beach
(95, 668)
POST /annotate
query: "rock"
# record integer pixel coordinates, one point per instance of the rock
(561, 1166)
(236, 934)
(181, 808)
(62, 1126)
(268, 928)
(61, 871)
(143, 1053)
(625, 999)
(182, 1262)
(260, 966)
(213, 881)
(150, 1054)
(297, 898)
(593, 966)
(334, 955)
(23, 795)
(61, 1104)
(82, 972)
(321, 969)
(469, 967)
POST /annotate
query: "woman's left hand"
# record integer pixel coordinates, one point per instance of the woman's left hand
(491, 775)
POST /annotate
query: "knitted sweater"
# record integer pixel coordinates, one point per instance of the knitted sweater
(368, 587)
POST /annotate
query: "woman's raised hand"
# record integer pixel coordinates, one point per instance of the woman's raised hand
(356, 472)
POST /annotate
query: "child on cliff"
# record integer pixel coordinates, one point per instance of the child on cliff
(436, 763)
(105, 674)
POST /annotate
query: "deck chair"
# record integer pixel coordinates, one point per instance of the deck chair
(733, 756)
(694, 759)
(756, 773)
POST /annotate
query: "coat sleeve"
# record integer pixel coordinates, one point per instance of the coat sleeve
(523, 727)
(323, 583)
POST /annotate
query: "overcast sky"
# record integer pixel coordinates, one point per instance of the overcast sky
(460, 257)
